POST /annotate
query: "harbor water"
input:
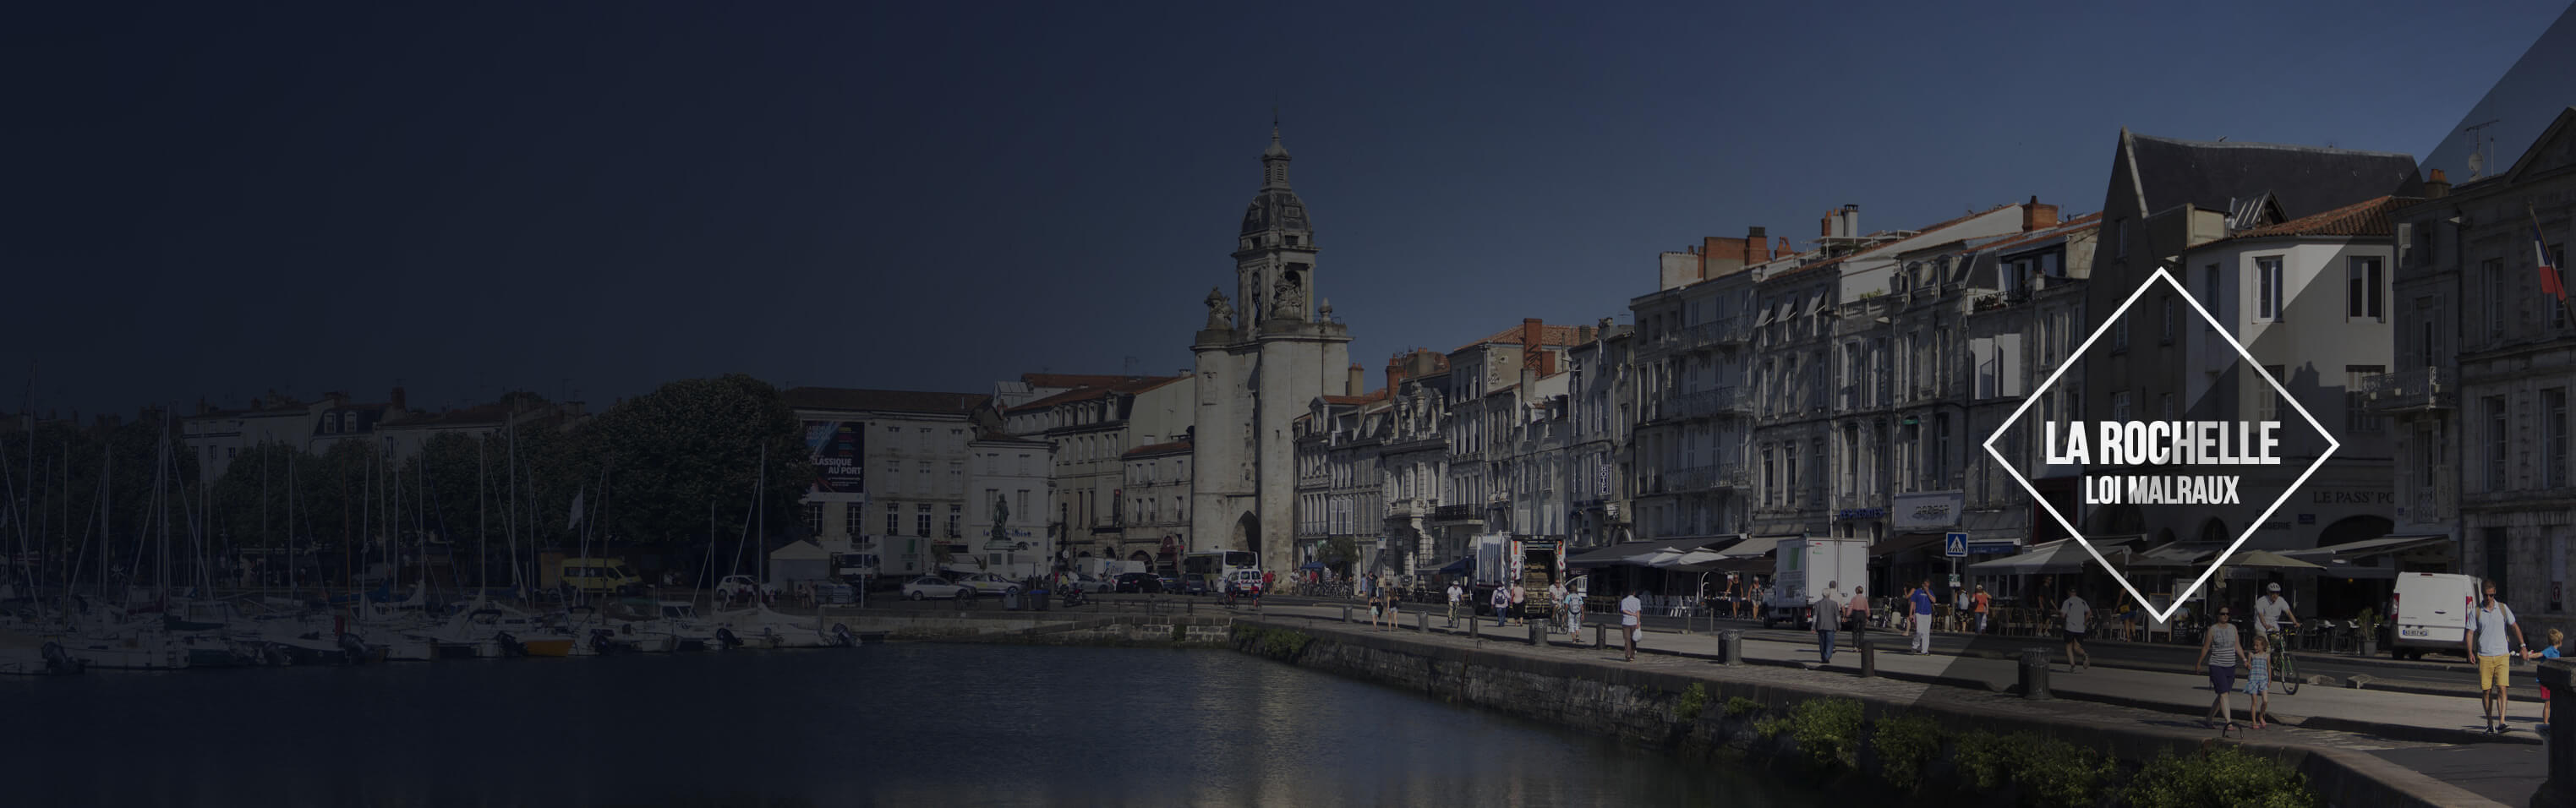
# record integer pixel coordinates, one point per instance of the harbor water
(904, 724)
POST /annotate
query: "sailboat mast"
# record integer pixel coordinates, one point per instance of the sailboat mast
(482, 539)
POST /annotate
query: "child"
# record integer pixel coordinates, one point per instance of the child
(2259, 680)
(2551, 652)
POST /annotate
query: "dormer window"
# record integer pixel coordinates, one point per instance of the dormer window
(1292, 241)
(330, 423)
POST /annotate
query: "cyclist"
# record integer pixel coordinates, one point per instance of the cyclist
(2269, 610)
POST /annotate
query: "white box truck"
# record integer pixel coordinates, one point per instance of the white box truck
(2430, 612)
(1804, 567)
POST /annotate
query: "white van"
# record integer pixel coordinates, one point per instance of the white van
(2430, 612)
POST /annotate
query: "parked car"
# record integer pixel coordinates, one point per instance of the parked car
(1144, 582)
(1247, 580)
(986, 583)
(1171, 583)
(933, 586)
(1090, 584)
(1198, 584)
(742, 588)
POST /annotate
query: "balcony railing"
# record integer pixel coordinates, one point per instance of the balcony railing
(2430, 387)
(1721, 401)
(1457, 513)
(1730, 331)
(1407, 509)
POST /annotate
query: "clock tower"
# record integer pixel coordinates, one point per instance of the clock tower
(1261, 361)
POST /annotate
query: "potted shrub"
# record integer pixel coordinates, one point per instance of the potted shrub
(2368, 622)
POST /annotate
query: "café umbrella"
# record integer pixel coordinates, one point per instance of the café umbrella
(2063, 555)
(2267, 560)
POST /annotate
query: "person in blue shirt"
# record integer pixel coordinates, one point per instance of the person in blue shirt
(1922, 598)
(2556, 638)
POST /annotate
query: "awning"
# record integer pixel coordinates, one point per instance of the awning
(2062, 555)
(1458, 567)
(1904, 542)
(2388, 545)
(1311, 565)
(1621, 553)
(1755, 546)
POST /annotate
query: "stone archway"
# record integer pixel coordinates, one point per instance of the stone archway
(1247, 533)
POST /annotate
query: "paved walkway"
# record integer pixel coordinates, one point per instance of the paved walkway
(2437, 735)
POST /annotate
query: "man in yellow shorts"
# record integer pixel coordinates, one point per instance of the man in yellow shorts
(2486, 643)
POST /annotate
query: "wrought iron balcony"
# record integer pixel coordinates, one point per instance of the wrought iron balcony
(1457, 514)
(1409, 508)
(1730, 331)
(1722, 401)
(2427, 388)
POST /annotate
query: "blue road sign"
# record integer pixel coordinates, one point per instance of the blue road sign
(1955, 545)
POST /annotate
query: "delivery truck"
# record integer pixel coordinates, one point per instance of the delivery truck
(1502, 560)
(1804, 568)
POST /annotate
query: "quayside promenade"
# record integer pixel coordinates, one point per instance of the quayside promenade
(2425, 746)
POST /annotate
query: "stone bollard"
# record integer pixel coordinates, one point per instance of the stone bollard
(1868, 655)
(2034, 673)
(1422, 622)
(1730, 647)
(2559, 747)
(1538, 632)
(1600, 635)
(1475, 630)
(1346, 614)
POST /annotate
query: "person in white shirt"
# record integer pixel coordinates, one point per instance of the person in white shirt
(1455, 595)
(1574, 613)
(2485, 643)
(2078, 615)
(1632, 612)
(2270, 610)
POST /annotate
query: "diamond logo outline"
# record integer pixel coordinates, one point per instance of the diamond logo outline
(2161, 274)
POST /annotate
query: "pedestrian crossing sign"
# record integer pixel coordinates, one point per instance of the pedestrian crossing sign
(1955, 545)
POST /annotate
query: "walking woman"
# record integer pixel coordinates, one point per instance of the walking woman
(2218, 653)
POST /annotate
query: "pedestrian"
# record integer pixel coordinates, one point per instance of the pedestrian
(2079, 616)
(1574, 614)
(1394, 610)
(2270, 610)
(1520, 605)
(1502, 602)
(1858, 612)
(1265, 585)
(1456, 594)
(1923, 618)
(1556, 596)
(1978, 603)
(2556, 638)
(2218, 653)
(1825, 615)
(2488, 626)
(1632, 611)
(2258, 679)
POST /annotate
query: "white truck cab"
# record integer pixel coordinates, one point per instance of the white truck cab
(2430, 612)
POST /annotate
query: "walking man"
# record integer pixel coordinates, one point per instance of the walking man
(1827, 614)
(2078, 616)
(1502, 602)
(2270, 610)
(1922, 598)
(1520, 604)
(1455, 595)
(1574, 614)
(1632, 612)
(2486, 644)
(1978, 604)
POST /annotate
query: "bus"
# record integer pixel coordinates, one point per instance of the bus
(1226, 565)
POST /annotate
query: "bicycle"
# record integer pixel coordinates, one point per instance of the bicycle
(2285, 667)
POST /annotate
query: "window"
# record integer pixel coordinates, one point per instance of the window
(2119, 335)
(2363, 288)
(1020, 503)
(2120, 240)
(2270, 393)
(894, 519)
(2495, 443)
(2357, 415)
(921, 519)
(2165, 406)
(2167, 337)
(1789, 465)
(2267, 288)
(1940, 450)
(2120, 405)
(2497, 557)
(2493, 269)
(813, 518)
(853, 517)
(2553, 437)
(2209, 293)
(1770, 479)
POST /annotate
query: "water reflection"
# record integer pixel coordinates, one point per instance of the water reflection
(892, 725)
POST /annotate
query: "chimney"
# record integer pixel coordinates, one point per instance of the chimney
(1530, 330)
(1394, 372)
(398, 397)
(1783, 250)
(1851, 220)
(1359, 380)
(2438, 186)
(1584, 334)
(1825, 226)
(1757, 246)
(2035, 216)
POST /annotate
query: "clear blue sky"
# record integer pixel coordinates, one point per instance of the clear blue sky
(209, 200)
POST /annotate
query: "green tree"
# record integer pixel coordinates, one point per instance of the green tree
(672, 452)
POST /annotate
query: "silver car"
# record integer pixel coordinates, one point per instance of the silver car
(932, 586)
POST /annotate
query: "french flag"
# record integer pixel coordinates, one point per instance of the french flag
(2548, 271)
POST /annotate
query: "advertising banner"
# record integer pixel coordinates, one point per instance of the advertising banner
(1925, 511)
(835, 448)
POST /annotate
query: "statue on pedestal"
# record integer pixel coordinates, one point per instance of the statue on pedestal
(1220, 313)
